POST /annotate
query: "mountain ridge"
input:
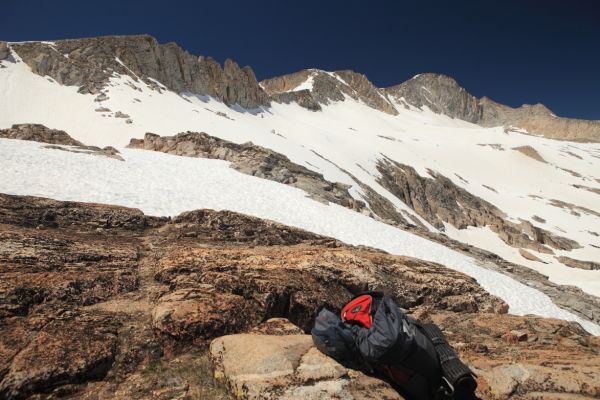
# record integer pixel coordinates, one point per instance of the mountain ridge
(89, 63)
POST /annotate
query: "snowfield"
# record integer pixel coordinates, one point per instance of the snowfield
(165, 185)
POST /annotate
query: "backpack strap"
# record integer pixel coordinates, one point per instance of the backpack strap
(458, 379)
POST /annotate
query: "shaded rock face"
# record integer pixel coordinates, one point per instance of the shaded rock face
(105, 302)
(89, 63)
(252, 160)
(327, 88)
(439, 200)
(303, 98)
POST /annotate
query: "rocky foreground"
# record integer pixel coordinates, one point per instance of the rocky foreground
(104, 302)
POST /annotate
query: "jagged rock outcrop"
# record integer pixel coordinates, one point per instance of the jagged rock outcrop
(327, 87)
(57, 139)
(90, 62)
(104, 302)
(438, 200)
(252, 160)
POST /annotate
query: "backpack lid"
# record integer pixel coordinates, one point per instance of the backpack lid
(358, 311)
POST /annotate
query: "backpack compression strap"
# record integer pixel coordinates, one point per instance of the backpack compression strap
(457, 375)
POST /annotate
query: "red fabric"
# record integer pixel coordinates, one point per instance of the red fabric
(359, 311)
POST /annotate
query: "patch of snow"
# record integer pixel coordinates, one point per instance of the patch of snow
(306, 85)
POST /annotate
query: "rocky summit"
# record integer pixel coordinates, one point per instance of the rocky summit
(105, 302)
(443, 95)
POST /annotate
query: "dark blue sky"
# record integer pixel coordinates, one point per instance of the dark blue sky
(514, 51)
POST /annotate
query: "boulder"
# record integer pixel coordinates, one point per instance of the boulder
(528, 256)
(39, 133)
(259, 366)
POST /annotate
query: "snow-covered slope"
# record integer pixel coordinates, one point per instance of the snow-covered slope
(344, 142)
(161, 184)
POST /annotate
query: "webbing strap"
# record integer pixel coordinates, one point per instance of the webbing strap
(453, 369)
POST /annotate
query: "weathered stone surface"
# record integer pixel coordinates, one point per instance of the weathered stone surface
(119, 114)
(295, 282)
(527, 255)
(92, 61)
(200, 313)
(258, 366)
(529, 358)
(278, 327)
(573, 263)
(70, 349)
(105, 302)
(252, 160)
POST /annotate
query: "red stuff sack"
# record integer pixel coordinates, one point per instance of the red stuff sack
(359, 311)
